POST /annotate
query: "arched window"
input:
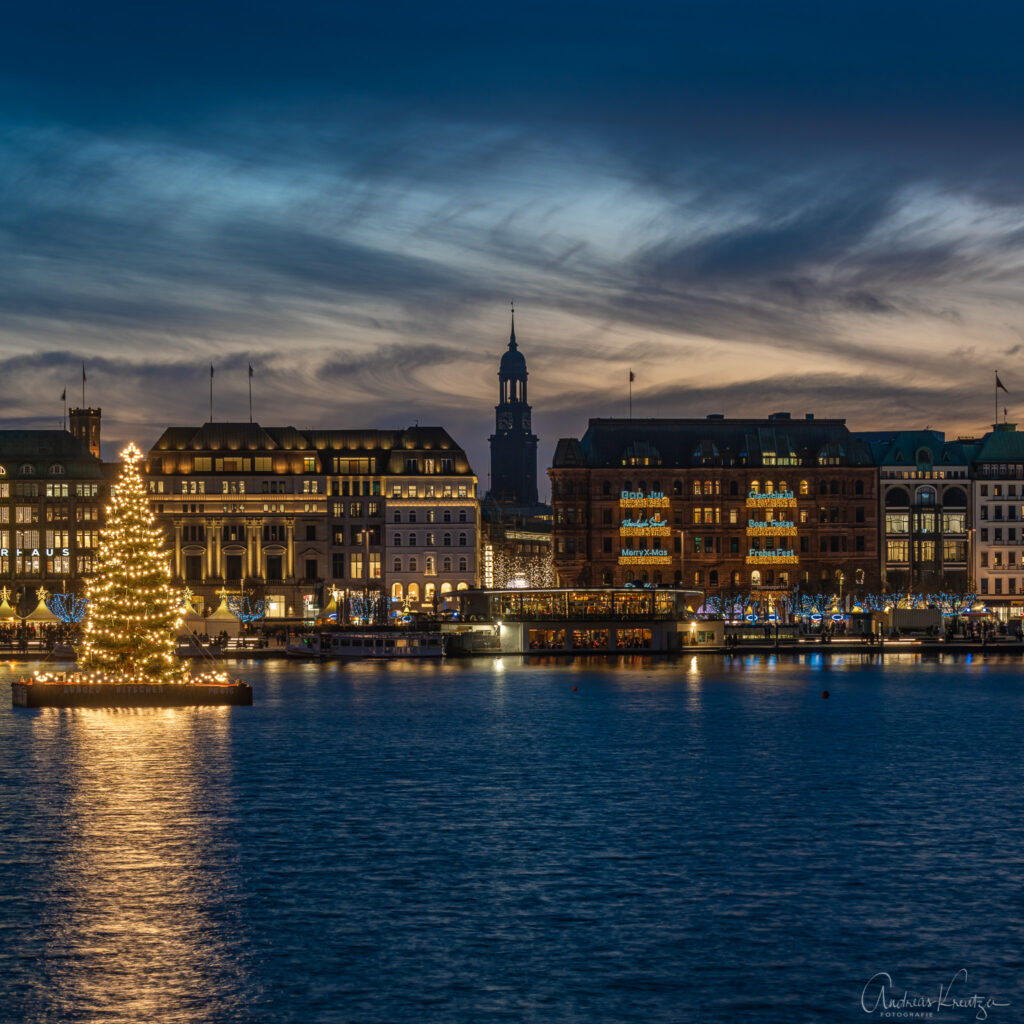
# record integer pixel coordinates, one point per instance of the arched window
(412, 515)
(396, 591)
(783, 579)
(858, 487)
(606, 487)
(696, 488)
(897, 497)
(627, 486)
(398, 540)
(606, 579)
(462, 516)
(57, 469)
(413, 565)
(398, 516)
(428, 592)
(412, 540)
(769, 487)
(657, 577)
(677, 578)
(698, 578)
(447, 540)
(925, 496)
(858, 576)
(446, 564)
(823, 487)
(755, 486)
(462, 540)
(805, 487)
(769, 577)
(713, 578)
(27, 469)
(734, 488)
(398, 565)
(414, 592)
(428, 565)
(707, 487)
(735, 580)
(446, 516)
(463, 586)
(463, 564)
(446, 588)
(833, 486)
(954, 497)
(755, 578)
(677, 487)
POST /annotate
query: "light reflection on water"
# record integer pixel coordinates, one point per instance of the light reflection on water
(703, 838)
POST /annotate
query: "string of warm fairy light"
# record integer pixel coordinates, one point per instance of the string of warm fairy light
(133, 617)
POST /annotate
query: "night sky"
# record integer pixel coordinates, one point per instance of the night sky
(756, 206)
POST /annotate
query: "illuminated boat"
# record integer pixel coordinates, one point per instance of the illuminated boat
(365, 646)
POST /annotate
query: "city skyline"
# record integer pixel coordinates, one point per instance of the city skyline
(813, 210)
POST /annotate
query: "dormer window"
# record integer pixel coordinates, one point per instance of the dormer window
(57, 469)
(27, 469)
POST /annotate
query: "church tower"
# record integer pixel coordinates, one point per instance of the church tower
(513, 444)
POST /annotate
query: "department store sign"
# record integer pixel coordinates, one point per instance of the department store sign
(50, 552)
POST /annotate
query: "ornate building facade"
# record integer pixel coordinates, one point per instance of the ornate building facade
(924, 513)
(728, 506)
(297, 516)
(53, 491)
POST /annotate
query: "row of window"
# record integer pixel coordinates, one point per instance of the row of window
(34, 490)
(411, 564)
(706, 488)
(430, 515)
(926, 522)
(29, 539)
(411, 593)
(926, 550)
(56, 564)
(430, 539)
(28, 469)
(54, 514)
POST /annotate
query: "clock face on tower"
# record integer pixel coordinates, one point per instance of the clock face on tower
(504, 420)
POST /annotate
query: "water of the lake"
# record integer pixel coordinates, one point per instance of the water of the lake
(622, 841)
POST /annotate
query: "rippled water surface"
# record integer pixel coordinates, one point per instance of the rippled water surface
(692, 841)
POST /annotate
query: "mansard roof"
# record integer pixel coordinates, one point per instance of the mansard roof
(395, 445)
(684, 443)
(43, 448)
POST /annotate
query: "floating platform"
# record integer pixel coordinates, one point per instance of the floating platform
(71, 694)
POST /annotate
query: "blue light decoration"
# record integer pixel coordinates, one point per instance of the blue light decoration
(247, 609)
(68, 608)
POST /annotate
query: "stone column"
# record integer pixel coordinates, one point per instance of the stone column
(177, 550)
(290, 528)
(208, 561)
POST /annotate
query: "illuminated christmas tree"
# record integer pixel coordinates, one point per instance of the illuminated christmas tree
(133, 612)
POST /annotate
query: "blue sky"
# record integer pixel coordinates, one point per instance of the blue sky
(809, 207)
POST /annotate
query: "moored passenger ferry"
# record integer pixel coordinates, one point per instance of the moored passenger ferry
(370, 646)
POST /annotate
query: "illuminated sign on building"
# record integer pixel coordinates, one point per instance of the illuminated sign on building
(643, 524)
(652, 526)
(781, 555)
(50, 552)
(773, 499)
(637, 499)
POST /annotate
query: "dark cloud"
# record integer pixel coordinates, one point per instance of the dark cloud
(350, 195)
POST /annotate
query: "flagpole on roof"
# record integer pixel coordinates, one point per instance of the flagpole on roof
(211, 392)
